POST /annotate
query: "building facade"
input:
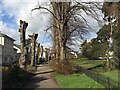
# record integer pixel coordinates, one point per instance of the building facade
(7, 52)
(1, 47)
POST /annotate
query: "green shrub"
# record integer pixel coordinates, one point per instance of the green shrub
(16, 77)
(64, 67)
(31, 68)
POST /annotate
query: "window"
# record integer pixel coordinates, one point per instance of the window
(5, 58)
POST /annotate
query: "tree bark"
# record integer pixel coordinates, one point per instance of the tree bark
(37, 53)
(34, 37)
(22, 30)
(60, 10)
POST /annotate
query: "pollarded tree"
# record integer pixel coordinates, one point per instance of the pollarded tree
(33, 39)
(41, 52)
(22, 30)
(37, 53)
(28, 45)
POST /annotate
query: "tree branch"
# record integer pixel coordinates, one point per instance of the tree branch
(39, 7)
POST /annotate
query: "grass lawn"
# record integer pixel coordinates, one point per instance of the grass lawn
(112, 74)
(102, 70)
(87, 63)
(76, 81)
(80, 61)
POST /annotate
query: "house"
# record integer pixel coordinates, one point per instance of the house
(71, 53)
(17, 47)
(75, 55)
(7, 52)
(44, 54)
(1, 47)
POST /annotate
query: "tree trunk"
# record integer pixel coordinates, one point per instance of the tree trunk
(60, 11)
(118, 35)
(34, 37)
(22, 29)
(37, 53)
(56, 33)
(41, 52)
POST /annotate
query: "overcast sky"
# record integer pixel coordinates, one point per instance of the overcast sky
(14, 10)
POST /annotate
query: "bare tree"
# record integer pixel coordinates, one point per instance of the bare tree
(69, 23)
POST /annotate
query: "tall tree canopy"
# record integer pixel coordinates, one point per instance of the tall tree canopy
(112, 15)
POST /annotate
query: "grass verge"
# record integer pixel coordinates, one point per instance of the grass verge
(97, 66)
(112, 74)
(76, 81)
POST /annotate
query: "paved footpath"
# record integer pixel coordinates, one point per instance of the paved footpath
(43, 78)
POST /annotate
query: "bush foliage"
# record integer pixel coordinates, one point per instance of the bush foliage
(16, 76)
(64, 67)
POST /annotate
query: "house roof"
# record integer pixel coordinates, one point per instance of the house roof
(4, 35)
(15, 49)
(18, 46)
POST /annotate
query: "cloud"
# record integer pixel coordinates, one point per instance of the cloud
(37, 21)
(21, 10)
(10, 32)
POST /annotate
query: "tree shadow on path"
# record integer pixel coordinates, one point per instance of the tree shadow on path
(41, 78)
(44, 72)
(34, 82)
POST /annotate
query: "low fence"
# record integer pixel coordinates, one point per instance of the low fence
(105, 81)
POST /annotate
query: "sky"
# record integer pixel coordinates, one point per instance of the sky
(11, 11)
(14, 10)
